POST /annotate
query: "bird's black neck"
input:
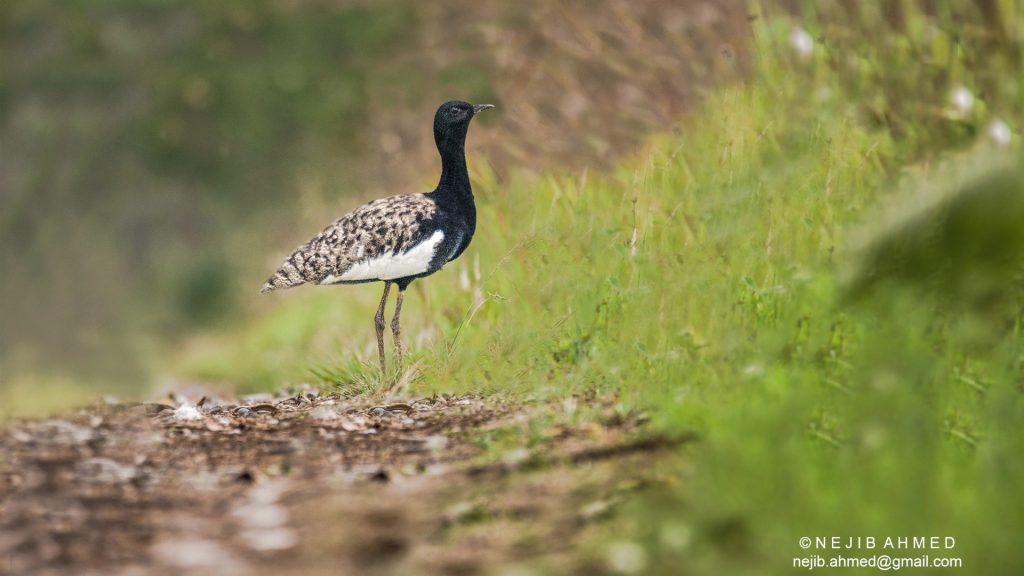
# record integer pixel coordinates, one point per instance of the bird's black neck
(454, 183)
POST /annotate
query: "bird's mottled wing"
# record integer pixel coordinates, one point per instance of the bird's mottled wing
(387, 225)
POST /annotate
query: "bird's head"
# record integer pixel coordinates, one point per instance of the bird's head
(452, 121)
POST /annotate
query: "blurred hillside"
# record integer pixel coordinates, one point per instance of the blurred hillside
(157, 156)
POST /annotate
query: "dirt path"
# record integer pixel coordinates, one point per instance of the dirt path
(309, 484)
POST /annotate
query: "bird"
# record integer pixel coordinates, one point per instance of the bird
(396, 239)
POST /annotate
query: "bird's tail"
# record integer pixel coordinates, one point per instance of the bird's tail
(287, 275)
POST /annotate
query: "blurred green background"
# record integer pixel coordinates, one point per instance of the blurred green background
(792, 227)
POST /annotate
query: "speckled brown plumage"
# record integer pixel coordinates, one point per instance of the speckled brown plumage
(393, 224)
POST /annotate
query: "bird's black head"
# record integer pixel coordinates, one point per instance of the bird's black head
(452, 121)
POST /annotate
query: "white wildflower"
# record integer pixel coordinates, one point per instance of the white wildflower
(962, 100)
(1000, 133)
(802, 43)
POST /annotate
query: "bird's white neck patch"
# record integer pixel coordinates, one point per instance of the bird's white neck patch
(392, 265)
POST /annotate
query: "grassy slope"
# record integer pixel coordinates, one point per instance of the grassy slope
(701, 284)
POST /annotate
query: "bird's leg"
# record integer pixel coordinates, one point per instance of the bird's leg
(396, 329)
(378, 322)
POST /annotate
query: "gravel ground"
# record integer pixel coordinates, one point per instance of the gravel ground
(310, 484)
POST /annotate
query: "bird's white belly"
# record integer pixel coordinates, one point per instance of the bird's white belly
(392, 265)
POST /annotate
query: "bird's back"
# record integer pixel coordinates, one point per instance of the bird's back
(399, 238)
(385, 237)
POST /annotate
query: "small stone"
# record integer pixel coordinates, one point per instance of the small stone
(105, 471)
(215, 426)
(353, 423)
(270, 540)
(64, 433)
(187, 412)
(323, 413)
(516, 457)
(436, 442)
(196, 553)
(569, 406)
(261, 515)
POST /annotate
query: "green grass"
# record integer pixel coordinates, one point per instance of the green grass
(704, 283)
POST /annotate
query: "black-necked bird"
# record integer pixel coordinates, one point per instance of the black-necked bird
(398, 239)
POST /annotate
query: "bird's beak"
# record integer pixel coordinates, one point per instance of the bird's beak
(481, 107)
